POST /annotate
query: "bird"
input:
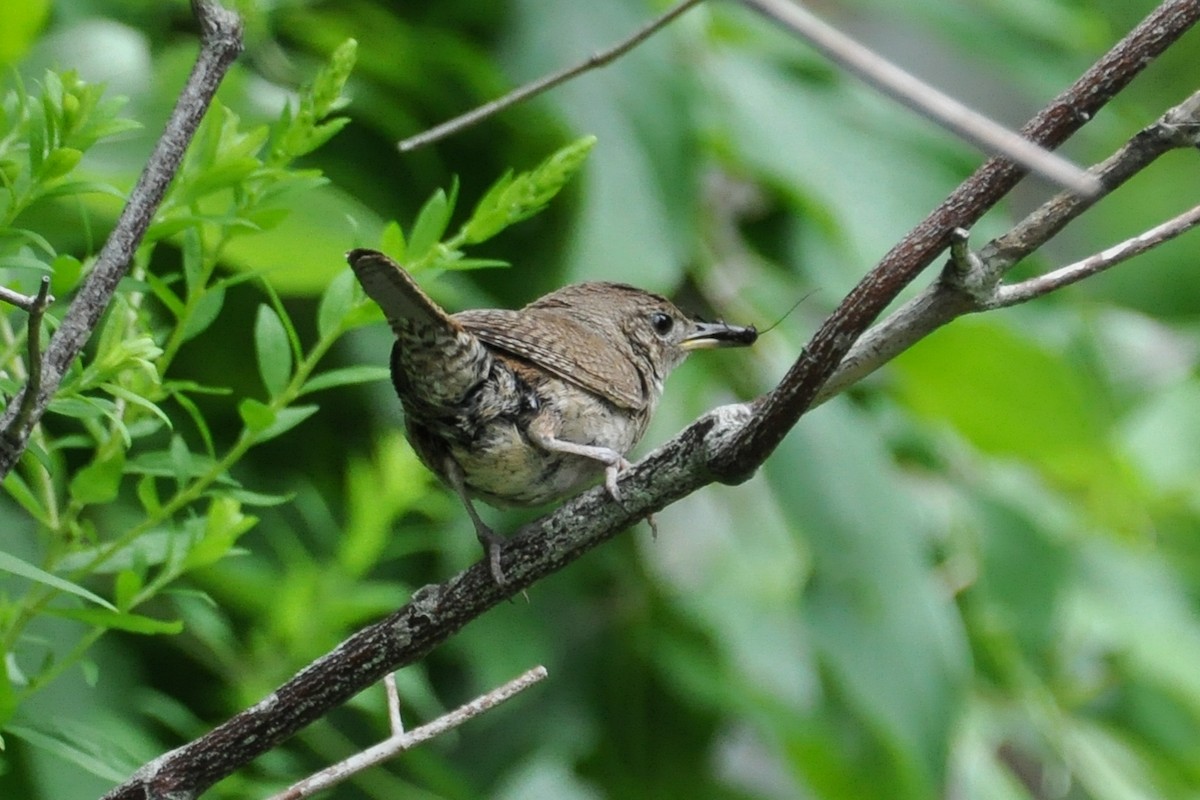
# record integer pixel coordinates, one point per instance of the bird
(530, 406)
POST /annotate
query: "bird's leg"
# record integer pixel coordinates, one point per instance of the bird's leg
(490, 540)
(614, 463)
(541, 433)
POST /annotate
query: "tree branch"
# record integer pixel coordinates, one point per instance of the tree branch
(973, 286)
(1073, 273)
(22, 301)
(726, 444)
(221, 41)
(400, 741)
(777, 412)
(33, 342)
(533, 88)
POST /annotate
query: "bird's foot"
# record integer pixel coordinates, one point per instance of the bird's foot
(611, 471)
(492, 543)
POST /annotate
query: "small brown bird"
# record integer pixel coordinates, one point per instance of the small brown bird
(531, 406)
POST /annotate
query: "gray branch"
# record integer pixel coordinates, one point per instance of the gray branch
(221, 41)
(971, 281)
(726, 445)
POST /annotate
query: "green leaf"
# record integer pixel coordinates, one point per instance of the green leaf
(273, 350)
(19, 490)
(133, 398)
(147, 494)
(169, 463)
(59, 162)
(249, 498)
(147, 550)
(300, 132)
(345, 376)
(512, 199)
(336, 304)
(73, 188)
(99, 481)
(331, 80)
(205, 312)
(126, 587)
(431, 224)
(117, 620)
(256, 414)
(82, 407)
(391, 241)
(472, 263)
(67, 269)
(193, 411)
(223, 525)
(12, 564)
(285, 420)
(66, 747)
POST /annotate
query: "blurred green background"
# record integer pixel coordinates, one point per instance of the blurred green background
(975, 575)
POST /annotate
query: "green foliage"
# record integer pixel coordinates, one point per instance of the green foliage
(975, 576)
(118, 431)
(511, 198)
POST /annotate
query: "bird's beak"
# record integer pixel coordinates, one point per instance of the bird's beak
(710, 335)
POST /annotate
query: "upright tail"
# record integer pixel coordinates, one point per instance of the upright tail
(436, 361)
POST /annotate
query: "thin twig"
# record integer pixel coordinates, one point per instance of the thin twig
(780, 410)
(393, 704)
(595, 61)
(221, 41)
(973, 280)
(22, 301)
(1064, 276)
(33, 342)
(919, 96)
(400, 742)
(722, 445)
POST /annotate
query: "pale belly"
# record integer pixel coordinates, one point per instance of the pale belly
(503, 467)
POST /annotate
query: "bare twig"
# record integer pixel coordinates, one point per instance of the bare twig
(919, 96)
(399, 741)
(595, 61)
(221, 41)
(393, 704)
(1073, 273)
(726, 444)
(22, 301)
(972, 282)
(33, 342)
(779, 411)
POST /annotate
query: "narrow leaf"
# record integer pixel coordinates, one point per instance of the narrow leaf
(116, 620)
(273, 351)
(14, 565)
(345, 376)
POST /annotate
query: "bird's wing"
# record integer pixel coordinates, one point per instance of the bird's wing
(574, 352)
(394, 290)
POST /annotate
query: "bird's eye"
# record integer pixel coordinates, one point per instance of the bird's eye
(662, 323)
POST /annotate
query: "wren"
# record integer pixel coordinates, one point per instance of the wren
(528, 407)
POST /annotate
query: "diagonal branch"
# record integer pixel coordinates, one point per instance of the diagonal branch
(972, 286)
(400, 741)
(534, 88)
(726, 444)
(221, 41)
(1117, 254)
(777, 412)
